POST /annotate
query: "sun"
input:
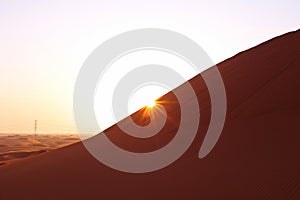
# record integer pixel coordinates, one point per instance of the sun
(146, 96)
(151, 104)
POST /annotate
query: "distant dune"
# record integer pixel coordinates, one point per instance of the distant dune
(256, 157)
(15, 146)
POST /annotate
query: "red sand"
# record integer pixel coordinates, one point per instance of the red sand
(256, 157)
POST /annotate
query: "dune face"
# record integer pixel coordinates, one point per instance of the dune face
(256, 157)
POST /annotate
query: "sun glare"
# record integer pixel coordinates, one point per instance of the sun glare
(145, 96)
(151, 104)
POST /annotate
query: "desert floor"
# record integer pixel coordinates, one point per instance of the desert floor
(18, 146)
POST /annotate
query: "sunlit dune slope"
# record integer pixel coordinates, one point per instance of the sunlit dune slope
(256, 157)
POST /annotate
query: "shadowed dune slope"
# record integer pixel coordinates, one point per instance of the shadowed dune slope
(256, 157)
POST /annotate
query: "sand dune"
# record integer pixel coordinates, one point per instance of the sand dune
(17, 146)
(16, 155)
(256, 157)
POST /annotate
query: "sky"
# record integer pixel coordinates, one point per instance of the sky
(44, 44)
